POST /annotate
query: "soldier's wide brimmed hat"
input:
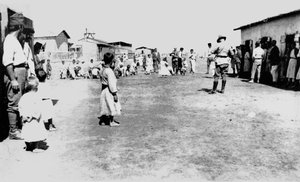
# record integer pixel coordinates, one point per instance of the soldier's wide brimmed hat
(16, 19)
(221, 37)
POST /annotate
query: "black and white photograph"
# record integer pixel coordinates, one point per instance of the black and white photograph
(149, 91)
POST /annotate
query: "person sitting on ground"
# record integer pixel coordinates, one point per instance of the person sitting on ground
(83, 70)
(128, 71)
(47, 109)
(30, 108)
(109, 101)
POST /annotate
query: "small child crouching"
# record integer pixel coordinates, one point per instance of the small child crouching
(33, 131)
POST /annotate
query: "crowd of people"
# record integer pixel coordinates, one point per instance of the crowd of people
(29, 107)
(155, 63)
(76, 69)
(263, 65)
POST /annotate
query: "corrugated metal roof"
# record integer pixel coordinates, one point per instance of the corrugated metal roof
(54, 35)
(121, 43)
(269, 19)
(96, 41)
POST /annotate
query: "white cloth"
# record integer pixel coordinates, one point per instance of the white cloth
(164, 71)
(192, 58)
(30, 61)
(291, 70)
(30, 108)
(95, 71)
(13, 53)
(179, 54)
(274, 72)
(149, 65)
(258, 53)
(107, 105)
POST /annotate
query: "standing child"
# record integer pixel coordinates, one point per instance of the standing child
(30, 108)
(109, 102)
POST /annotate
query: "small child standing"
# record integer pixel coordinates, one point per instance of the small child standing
(30, 105)
(109, 102)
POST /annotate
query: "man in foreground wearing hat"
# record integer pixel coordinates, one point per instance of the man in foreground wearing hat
(15, 60)
(221, 52)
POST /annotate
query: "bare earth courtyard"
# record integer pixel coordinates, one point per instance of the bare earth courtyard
(171, 130)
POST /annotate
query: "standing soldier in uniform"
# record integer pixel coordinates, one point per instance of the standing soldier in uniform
(221, 52)
(15, 62)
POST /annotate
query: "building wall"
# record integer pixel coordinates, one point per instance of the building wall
(50, 44)
(62, 42)
(56, 48)
(276, 29)
(89, 51)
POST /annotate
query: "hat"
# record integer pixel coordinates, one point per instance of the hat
(16, 19)
(37, 46)
(28, 26)
(221, 37)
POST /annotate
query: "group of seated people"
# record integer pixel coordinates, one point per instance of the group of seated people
(77, 69)
(123, 69)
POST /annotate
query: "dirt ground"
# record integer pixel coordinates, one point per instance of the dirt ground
(171, 130)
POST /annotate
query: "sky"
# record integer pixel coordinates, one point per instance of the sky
(164, 24)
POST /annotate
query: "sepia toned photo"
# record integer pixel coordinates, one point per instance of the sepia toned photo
(140, 90)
